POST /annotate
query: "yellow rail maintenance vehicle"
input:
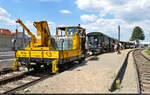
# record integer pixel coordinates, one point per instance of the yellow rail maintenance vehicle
(45, 50)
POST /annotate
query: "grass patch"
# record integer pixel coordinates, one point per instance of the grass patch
(148, 51)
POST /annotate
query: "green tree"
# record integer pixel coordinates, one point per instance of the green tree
(137, 34)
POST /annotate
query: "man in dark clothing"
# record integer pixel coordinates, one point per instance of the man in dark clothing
(14, 43)
(83, 39)
(113, 45)
(118, 48)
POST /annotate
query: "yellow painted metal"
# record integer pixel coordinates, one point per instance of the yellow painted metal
(38, 48)
(28, 31)
(55, 66)
(43, 35)
(42, 47)
(28, 48)
(75, 36)
(15, 65)
(47, 54)
(76, 42)
(36, 54)
(56, 32)
(66, 31)
(22, 53)
(51, 54)
(69, 53)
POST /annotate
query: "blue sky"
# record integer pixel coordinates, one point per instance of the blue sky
(95, 15)
(36, 10)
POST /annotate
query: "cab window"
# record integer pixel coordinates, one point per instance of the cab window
(70, 31)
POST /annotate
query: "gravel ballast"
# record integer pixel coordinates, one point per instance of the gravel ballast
(94, 76)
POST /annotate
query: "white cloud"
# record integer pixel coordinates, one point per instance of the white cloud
(129, 10)
(4, 12)
(88, 18)
(5, 18)
(127, 13)
(65, 12)
(103, 25)
(109, 27)
(6, 21)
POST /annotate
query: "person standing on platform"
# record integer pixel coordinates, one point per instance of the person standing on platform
(83, 40)
(118, 48)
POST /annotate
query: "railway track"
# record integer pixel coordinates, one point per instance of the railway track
(143, 69)
(13, 81)
(8, 76)
(5, 71)
(22, 80)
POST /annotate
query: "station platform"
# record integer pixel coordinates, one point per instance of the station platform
(95, 75)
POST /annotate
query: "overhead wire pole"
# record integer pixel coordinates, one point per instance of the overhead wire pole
(118, 39)
(119, 33)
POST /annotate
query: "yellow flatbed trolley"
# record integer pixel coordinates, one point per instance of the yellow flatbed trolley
(50, 51)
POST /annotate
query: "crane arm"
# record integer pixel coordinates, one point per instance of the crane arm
(43, 33)
(28, 31)
(48, 31)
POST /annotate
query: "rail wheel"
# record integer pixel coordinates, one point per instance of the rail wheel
(36, 67)
(81, 60)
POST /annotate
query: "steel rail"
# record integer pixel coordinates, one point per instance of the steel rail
(69, 66)
(5, 71)
(15, 77)
(137, 74)
(141, 70)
